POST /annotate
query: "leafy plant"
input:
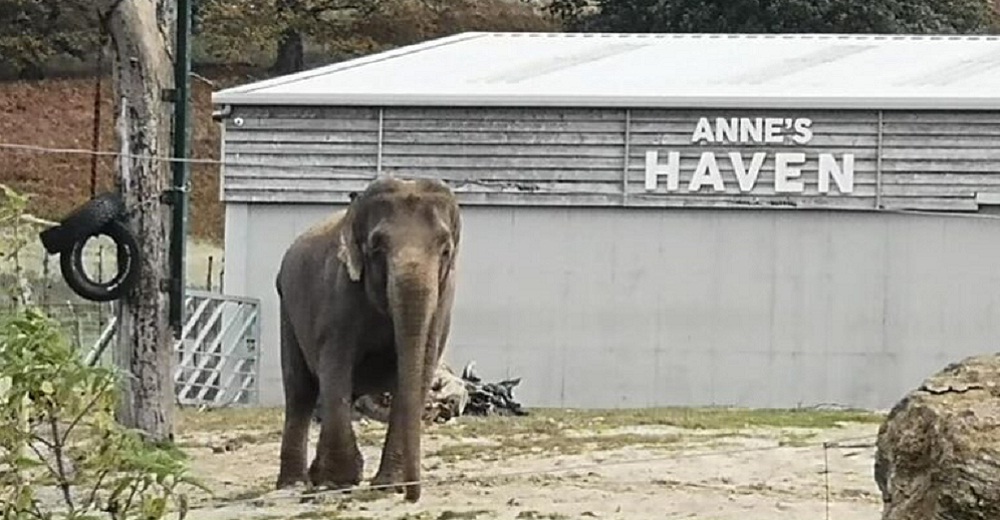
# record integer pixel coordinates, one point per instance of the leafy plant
(57, 430)
(13, 238)
(62, 455)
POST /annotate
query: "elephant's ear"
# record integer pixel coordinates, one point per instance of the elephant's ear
(456, 234)
(456, 227)
(348, 251)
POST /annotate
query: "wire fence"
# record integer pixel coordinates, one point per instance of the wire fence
(664, 466)
(84, 320)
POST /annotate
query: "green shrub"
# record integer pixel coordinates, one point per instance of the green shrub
(61, 452)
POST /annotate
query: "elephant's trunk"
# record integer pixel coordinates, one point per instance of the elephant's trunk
(413, 295)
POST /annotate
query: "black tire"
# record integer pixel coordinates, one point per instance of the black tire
(71, 264)
(83, 222)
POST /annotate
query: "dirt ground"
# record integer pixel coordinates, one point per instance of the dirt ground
(678, 463)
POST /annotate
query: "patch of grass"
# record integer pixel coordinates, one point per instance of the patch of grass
(797, 440)
(547, 421)
(717, 418)
(536, 424)
(223, 443)
(568, 432)
(229, 419)
(559, 443)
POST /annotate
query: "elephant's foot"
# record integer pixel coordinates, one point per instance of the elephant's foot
(389, 479)
(292, 472)
(291, 479)
(334, 473)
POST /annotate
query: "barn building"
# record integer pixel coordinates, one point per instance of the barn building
(659, 219)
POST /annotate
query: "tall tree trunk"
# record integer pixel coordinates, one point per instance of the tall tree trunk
(290, 53)
(290, 57)
(141, 38)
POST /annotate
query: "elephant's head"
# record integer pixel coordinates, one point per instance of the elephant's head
(400, 228)
(400, 241)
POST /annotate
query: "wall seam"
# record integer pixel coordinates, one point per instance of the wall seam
(379, 144)
(878, 163)
(628, 151)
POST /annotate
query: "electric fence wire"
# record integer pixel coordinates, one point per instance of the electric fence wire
(361, 177)
(852, 443)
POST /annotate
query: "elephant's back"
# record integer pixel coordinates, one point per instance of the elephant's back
(328, 228)
(309, 252)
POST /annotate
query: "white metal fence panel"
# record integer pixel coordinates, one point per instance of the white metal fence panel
(217, 357)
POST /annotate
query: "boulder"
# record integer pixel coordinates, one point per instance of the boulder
(938, 450)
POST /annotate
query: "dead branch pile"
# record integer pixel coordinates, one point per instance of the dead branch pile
(451, 396)
(490, 398)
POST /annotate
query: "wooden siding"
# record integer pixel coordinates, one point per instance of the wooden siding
(597, 157)
(290, 154)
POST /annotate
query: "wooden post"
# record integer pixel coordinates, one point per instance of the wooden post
(141, 35)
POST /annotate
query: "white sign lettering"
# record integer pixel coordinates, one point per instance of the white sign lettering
(711, 171)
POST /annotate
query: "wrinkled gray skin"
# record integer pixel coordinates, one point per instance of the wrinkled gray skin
(365, 306)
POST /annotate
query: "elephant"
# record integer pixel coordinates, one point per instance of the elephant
(365, 301)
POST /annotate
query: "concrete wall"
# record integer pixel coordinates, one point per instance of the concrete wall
(633, 307)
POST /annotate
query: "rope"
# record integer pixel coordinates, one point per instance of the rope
(96, 135)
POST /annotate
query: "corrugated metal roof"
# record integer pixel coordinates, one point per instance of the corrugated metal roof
(656, 70)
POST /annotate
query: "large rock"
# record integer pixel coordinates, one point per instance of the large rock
(938, 451)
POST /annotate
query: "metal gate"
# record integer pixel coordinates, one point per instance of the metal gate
(217, 356)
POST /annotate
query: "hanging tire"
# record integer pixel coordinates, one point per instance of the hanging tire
(71, 264)
(83, 222)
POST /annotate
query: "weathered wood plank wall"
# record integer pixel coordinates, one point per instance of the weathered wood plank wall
(308, 154)
(598, 157)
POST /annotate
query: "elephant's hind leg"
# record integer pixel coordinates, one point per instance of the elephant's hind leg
(301, 392)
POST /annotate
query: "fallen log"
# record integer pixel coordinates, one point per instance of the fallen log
(938, 450)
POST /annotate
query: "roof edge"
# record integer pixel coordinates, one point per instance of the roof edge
(349, 64)
(987, 103)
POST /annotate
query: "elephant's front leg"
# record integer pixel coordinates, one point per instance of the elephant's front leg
(390, 467)
(338, 463)
(390, 472)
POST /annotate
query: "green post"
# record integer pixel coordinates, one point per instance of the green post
(181, 169)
